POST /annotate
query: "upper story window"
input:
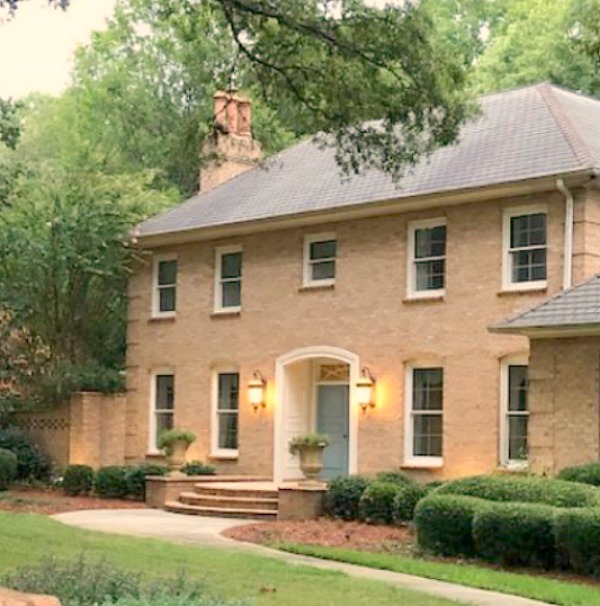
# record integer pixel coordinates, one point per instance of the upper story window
(525, 247)
(319, 259)
(163, 405)
(228, 279)
(514, 413)
(427, 258)
(165, 286)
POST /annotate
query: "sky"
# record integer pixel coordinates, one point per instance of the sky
(36, 48)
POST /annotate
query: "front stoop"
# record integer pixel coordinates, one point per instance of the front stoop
(228, 501)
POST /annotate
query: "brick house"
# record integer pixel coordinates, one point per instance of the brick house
(285, 299)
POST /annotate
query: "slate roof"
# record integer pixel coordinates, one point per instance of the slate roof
(530, 132)
(575, 307)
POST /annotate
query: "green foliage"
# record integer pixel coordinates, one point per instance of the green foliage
(78, 479)
(111, 482)
(376, 505)
(431, 486)
(405, 501)
(135, 478)
(394, 477)
(10, 123)
(577, 533)
(343, 498)
(516, 534)
(198, 468)
(585, 474)
(32, 463)
(525, 489)
(170, 437)
(309, 440)
(8, 468)
(444, 524)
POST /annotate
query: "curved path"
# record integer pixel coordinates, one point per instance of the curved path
(206, 532)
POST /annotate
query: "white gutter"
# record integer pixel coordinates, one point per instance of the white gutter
(568, 261)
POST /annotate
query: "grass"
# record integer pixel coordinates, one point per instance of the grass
(26, 538)
(529, 586)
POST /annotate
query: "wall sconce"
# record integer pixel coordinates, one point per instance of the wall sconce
(364, 389)
(256, 390)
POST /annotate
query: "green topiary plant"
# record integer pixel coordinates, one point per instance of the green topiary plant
(395, 477)
(135, 478)
(577, 534)
(78, 479)
(32, 463)
(8, 468)
(343, 498)
(585, 474)
(170, 437)
(111, 482)
(405, 501)
(377, 503)
(198, 468)
(309, 440)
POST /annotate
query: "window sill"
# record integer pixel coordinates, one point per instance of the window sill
(226, 313)
(165, 318)
(430, 463)
(514, 468)
(316, 287)
(523, 290)
(418, 298)
(154, 454)
(224, 456)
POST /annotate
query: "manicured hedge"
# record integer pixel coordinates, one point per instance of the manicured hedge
(577, 533)
(135, 478)
(78, 479)
(376, 504)
(406, 499)
(395, 477)
(516, 534)
(32, 463)
(445, 523)
(585, 474)
(111, 482)
(343, 498)
(526, 489)
(8, 468)
(198, 468)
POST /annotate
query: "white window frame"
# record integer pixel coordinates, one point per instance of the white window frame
(156, 313)
(508, 214)
(517, 360)
(152, 446)
(410, 459)
(411, 273)
(307, 280)
(218, 299)
(216, 452)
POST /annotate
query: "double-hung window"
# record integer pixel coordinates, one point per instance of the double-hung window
(514, 413)
(227, 399)
(320, 252)
(165, 286)
(163, 406)
(424, 416)
(228, 279)
(427, 258)
(525, 248)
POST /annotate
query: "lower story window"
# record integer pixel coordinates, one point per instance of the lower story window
(228, 394)
(163, 405)
(516, 414)
(426, 406)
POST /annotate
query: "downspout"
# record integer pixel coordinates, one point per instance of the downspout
(568, 262)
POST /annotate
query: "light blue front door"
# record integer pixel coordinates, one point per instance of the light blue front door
(332, 419)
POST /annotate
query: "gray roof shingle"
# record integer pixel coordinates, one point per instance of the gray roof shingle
(575, 307)
(525, 133)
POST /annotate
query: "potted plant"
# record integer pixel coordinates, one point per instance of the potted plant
(174, 443)
(310, 449)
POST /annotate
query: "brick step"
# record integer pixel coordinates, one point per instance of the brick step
(228, 502)
(218, 512)
(215, 491)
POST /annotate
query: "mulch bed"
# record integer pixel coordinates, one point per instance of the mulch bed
(327, 533)
(48, 501)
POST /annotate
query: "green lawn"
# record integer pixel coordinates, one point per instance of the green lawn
(534, 587)
(26, 538)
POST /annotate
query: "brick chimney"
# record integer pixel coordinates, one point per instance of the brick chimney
(231, 149)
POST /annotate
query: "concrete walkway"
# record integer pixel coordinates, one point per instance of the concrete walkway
(206, 532)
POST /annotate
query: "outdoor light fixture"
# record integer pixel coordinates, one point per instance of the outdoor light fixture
(364, 389)
(256, 390)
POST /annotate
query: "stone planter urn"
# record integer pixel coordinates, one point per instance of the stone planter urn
(175, 443)
(310, 450)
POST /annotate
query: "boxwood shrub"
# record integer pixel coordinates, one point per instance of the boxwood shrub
(376, 504)
(111, 482)
(444, 523)
(577, 533)
(8, 468)
(198, 468)
(32, 463)
(395, 477)
(78, 479)
(135, 478)
(516, 534)
(585, 474)
(343, 498)
(406, 499)
(525, 489)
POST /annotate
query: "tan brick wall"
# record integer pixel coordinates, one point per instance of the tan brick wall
(564, 402)
(366, 313)
(586, 234)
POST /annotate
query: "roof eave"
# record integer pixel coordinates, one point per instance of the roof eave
(365, 210)
(549, 332)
